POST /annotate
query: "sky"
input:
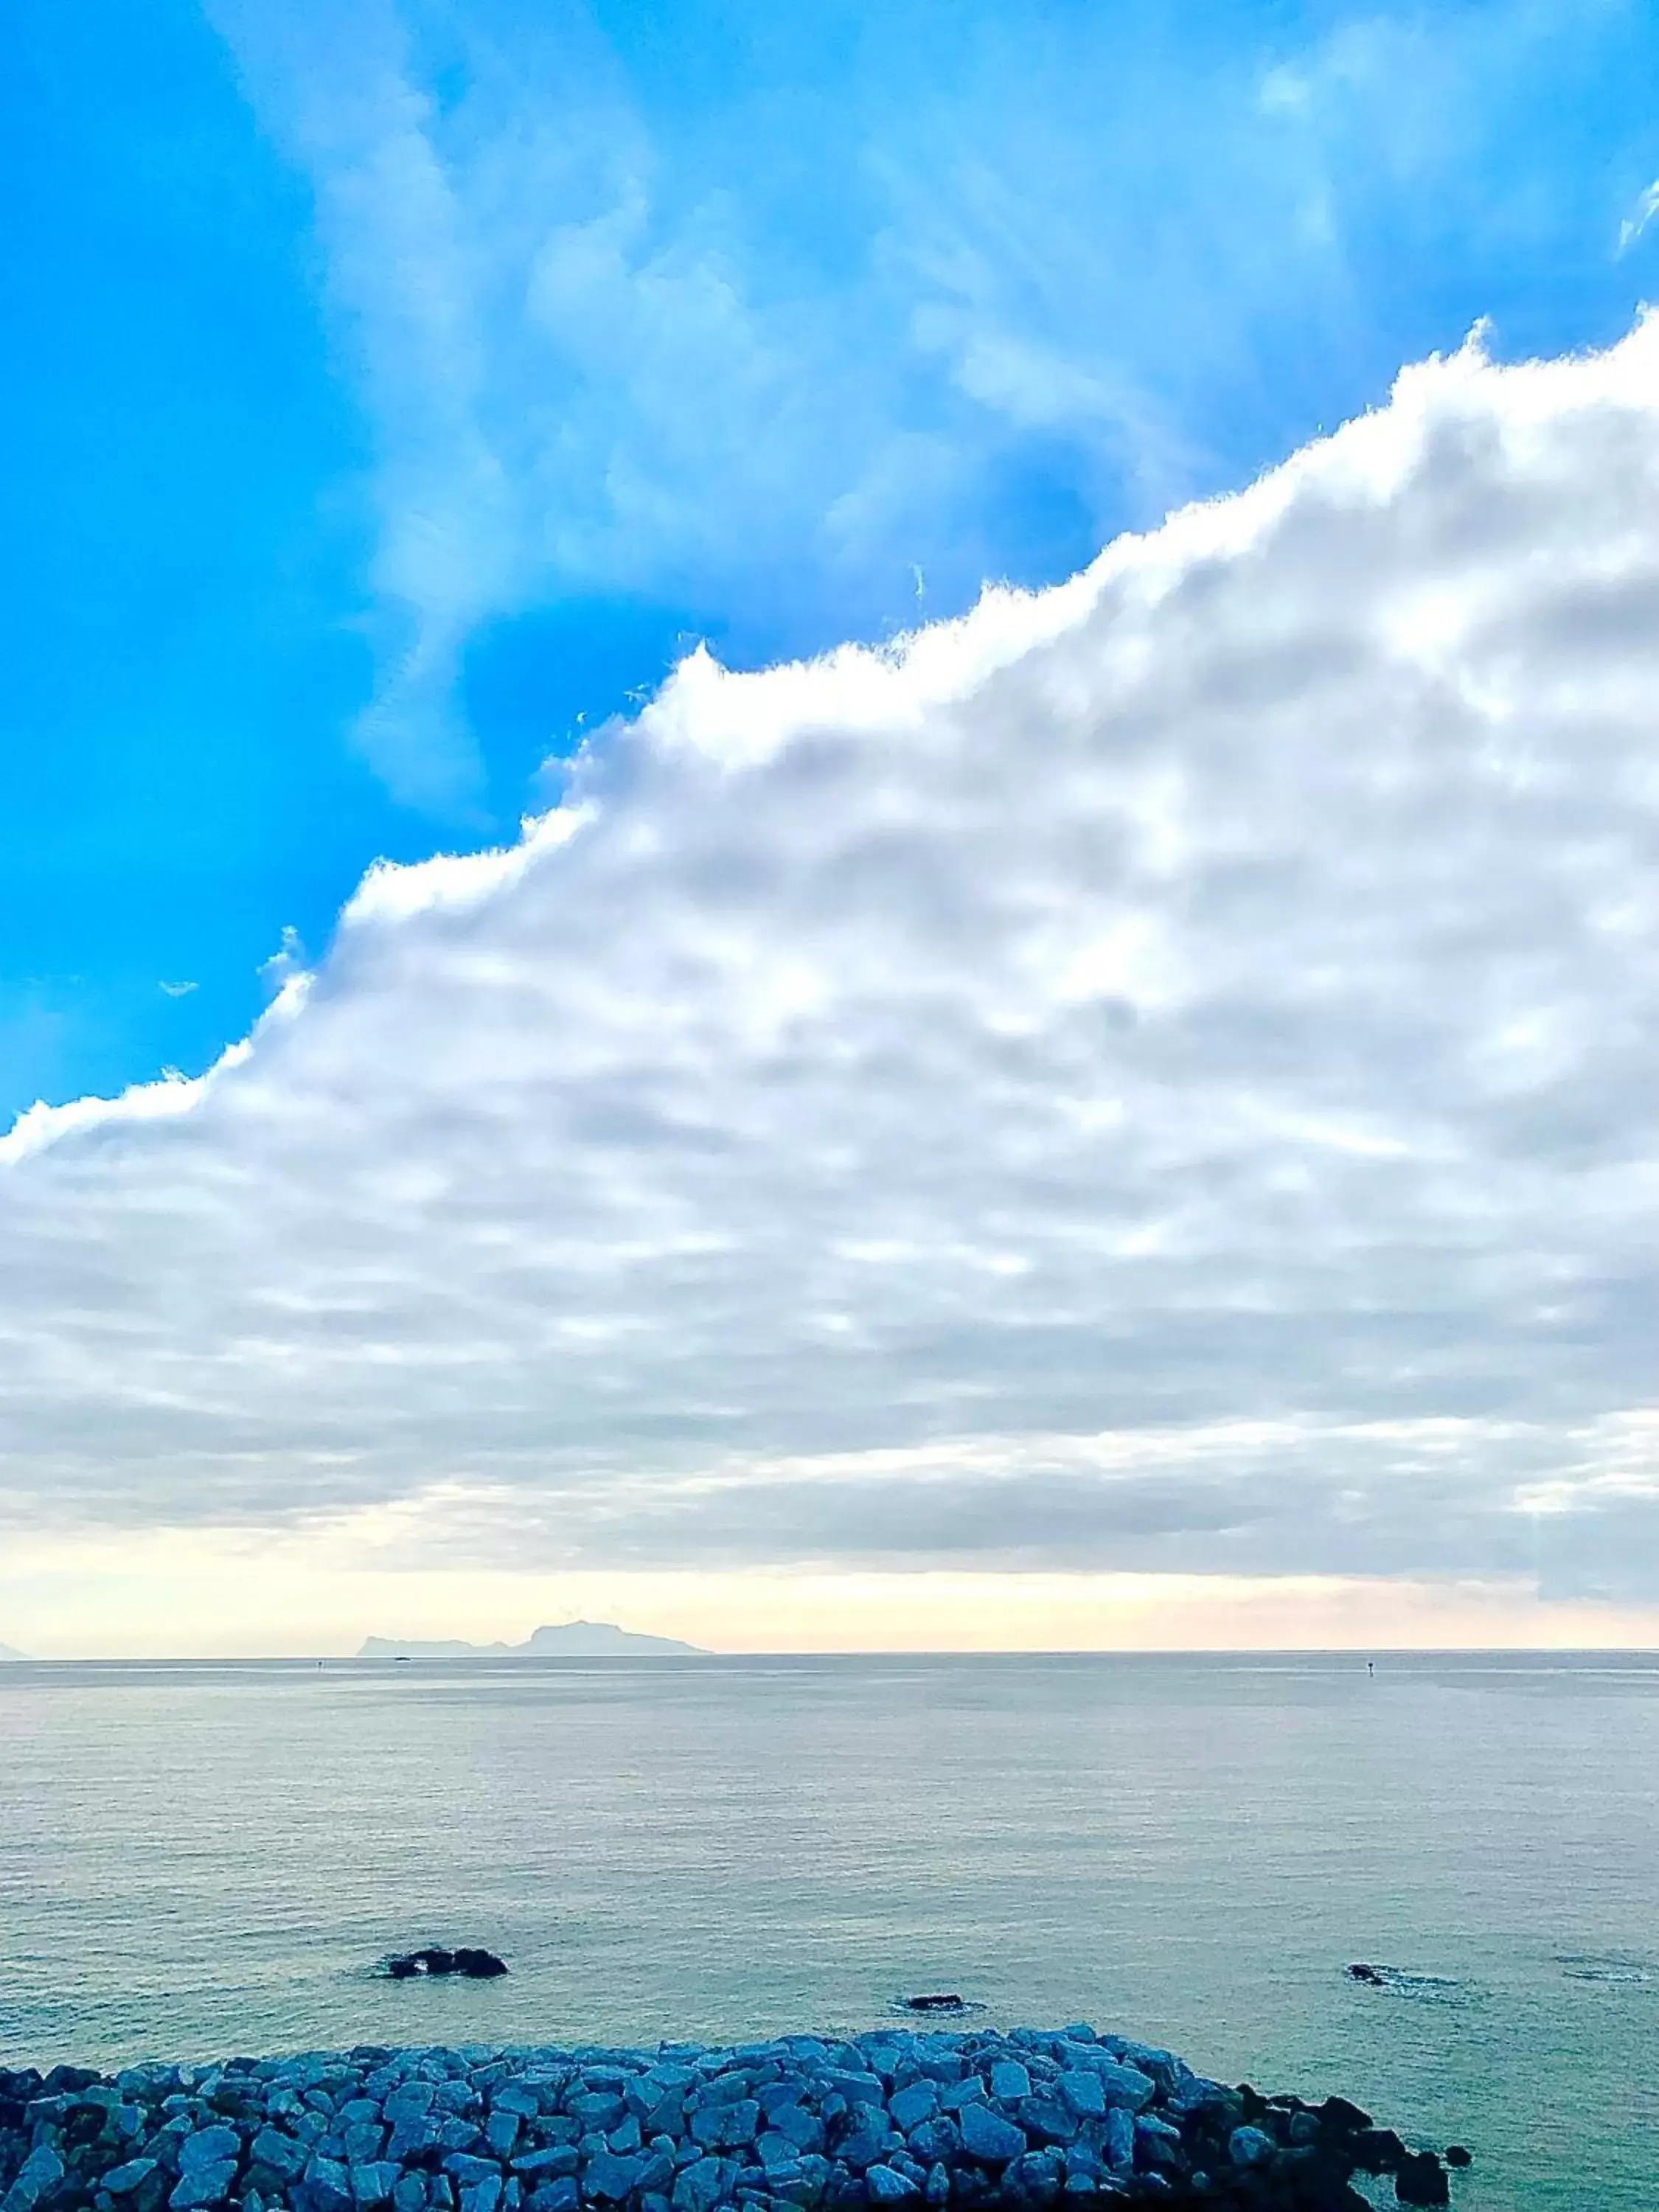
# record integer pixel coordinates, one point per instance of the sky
(833, 828)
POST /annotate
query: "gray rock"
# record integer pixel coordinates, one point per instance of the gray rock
(1126, 2086)
(803, 2129)
(600, 2108)
(1158, 2144)
(561, 2196)
(410, 2100)
(1249, 2146)
(718, 2127)
(871, 2141)
(1082, 2090)
(699, 2187)
(501, 2131)
(1010, 2081)
(326, 2187)
(886, 2185)
(282, 2154)
(1120, 2140)
(200, 2185)
(411, 2133)
(1039, 2177)
(551, 2163)
(1048, 2118)
(611, 2179)
(936, 2139)
(209, 2147)
(988, 2137)
(121, 2180)
(910, 2107)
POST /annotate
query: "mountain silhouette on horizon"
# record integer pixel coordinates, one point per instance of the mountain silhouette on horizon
(575, 1639)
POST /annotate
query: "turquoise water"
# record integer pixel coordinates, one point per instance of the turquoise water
(201, 1860)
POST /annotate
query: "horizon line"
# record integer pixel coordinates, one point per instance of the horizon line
(517, 1657)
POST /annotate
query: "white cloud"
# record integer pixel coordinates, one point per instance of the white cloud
(1154, 1076)
(1640, 216)
(756, 349)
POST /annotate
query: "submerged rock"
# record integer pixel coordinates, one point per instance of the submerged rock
(903, 2116)
(473, 1964)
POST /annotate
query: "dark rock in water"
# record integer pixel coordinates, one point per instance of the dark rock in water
(943, 2001)
(476, 1965)
(1359, 1971)
(62, 2079)
(1339, 2117)
(1456, 2155)
(1418, 2179)
(1377, 2150)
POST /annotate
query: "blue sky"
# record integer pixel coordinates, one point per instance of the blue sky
(393, 392)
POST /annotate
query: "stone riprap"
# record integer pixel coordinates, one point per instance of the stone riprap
(900, 2117)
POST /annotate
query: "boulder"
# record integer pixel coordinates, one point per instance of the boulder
(203, 2184)
(1419, 2180)
(988, 2137)
(886, 2185)
(121, 2180)
(1249, 2146)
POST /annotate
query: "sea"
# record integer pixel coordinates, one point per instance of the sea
(201, 1860)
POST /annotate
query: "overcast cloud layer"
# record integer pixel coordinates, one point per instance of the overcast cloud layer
(1160, 1073)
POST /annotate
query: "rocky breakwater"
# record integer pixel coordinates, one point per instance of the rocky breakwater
(899, 2117)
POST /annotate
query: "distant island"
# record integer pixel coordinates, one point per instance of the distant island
(6, 1652)
(576, 1640)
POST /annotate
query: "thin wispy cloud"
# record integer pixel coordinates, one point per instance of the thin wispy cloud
(1635, 222)
(764, 349)
(1155, 1074)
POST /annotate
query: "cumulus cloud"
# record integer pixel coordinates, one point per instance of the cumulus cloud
(1158, 1073)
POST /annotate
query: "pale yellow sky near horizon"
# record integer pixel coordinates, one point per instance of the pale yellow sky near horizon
(218, 1594)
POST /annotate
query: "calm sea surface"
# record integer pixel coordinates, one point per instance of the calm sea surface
(203, 1860)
